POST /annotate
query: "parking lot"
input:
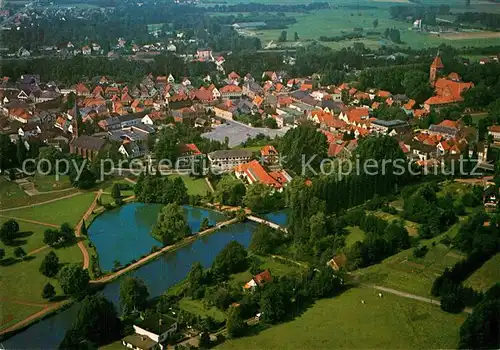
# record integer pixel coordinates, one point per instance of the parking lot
(239, 133)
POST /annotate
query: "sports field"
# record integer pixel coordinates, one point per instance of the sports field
(390, 322)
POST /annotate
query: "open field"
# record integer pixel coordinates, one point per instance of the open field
(49, 183)
(268, 263)
(22, 284)
(411, 227)
(391, 322)
(194, 186)
(355, 235)
(196, 307)
(470, 35)
(413, 275)
(486, 276)
(68, 210)
(30, 238)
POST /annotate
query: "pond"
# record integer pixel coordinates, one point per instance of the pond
(159, 275)
(278, 217)
(122, 234)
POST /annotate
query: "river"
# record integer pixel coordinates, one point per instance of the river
(159, 275)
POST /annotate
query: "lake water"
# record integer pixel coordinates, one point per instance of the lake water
(278, 217)
(122, 234)
(159, 275)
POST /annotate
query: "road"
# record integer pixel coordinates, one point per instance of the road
(409, 295)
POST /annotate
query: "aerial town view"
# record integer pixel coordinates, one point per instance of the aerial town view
(249, 174)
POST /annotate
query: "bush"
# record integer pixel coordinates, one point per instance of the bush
(420, 252)
(389, 209)
(452, 303)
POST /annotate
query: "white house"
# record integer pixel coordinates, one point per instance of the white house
(171, 48)
(156, 328)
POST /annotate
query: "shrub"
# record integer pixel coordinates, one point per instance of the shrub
(420, 252)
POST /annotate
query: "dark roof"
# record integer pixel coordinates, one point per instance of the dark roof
(132, 116)
(231, 153)
(443, 129)
(89, 142)
(139, 341)
(299, 94)
(335, 105)
(154, 323)
(389, 123)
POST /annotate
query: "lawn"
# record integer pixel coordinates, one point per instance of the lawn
(391, 322)
(274, 266)
(196, 307)
(355, 235)
(195, 186)
(411, 226)
(22, 283)
(11, 195)
(404, 272)
(68, 210)
(49, 183)
(486, 276)
(29, 238)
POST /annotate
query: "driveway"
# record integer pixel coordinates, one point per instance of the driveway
(239, 132)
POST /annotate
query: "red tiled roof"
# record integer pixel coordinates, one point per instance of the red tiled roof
(190, 149)
(257, 173)
(268, 150)
(410, 104)
(230, 88)
(454, 76)
(233, 75)
(494, 128)
(264, 276)
(437, 63)
(383, 94)
(448, 123)
(81, 88)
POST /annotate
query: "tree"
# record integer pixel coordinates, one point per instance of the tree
(480, 330)
(7, 152)
(51, 236)
(230, 191)
(261, 198)
(166, 148)
(274, 303)
(19, 253)
(416, 85)
(83, 229)
(204, 225)
(50, 265)
(270, 123)
(20, 151)
(295, 36)
(48, 291)
(133, 294)
(195, 281)
(96, 322)
(235, 324)
(67, 233)
(2, 253)
(282, 37)
(115, 192)
(231, 259)
(171, 224)
(375, 23)
(452, 303)
(73, 279)
(303, 146)
(265, 240)
(8, 231)
(204, 340)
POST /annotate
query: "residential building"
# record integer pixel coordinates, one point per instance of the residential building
(155, 327)
(227, 160)
(87, 146)
(253, 172)
(231, 91)
(258, 280)
(494, 131)
(269, 154)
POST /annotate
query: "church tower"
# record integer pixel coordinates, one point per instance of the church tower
(436, 66)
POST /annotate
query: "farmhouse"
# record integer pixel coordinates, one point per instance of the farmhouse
(258, 280)
(150, 331)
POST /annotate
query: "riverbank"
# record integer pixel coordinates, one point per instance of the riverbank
(170, 248)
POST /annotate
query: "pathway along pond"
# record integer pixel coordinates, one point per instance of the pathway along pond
(122, 234)
(159, 275)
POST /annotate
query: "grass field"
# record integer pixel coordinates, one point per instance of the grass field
(68, 210)
(411, 227)
(49, 183)
(413, 275)
(29, 238)
(391, 322)
(196, 307)
(194, 186)
(355, 235)
(486, 276)
(343, 16)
